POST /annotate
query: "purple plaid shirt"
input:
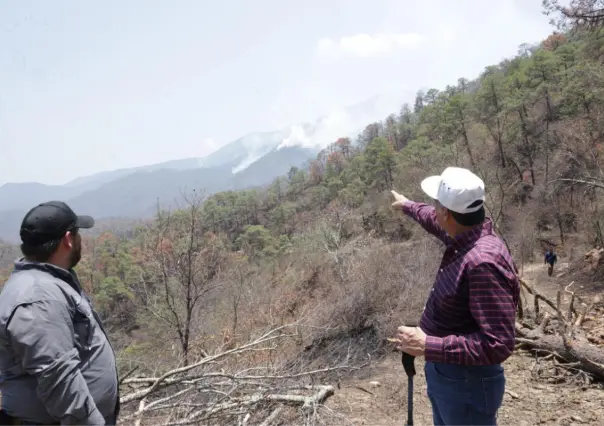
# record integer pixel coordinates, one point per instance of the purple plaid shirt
(470, 313)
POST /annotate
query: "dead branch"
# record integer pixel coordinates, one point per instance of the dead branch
(564, 341)
(307, 403)
(128, 374)
(191, 379)
(537, 296)
(571, 305)
(587, 357)
(160, 382)
(579, 354)
(207, 390)
(588, 309)
(141, 408)
(541, 329)
(270, 419)
(591, 182)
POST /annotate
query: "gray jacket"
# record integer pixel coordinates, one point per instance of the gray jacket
(56, 362)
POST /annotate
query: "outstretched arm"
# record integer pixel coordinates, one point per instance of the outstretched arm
(43, 338)
(425, 215)
(493, 307)
(422, 213)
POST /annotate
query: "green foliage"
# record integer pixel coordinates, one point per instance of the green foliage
(259, 243)
(537, 115)
(112, 290)
(502, 119)
(379, 164)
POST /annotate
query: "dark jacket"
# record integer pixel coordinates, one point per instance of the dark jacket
(550, 257)
(55, 358)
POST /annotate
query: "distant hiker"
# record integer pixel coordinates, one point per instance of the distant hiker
(467, 328)
(550, 259)
(56, 363)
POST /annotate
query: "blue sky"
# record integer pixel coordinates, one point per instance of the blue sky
(91, 86)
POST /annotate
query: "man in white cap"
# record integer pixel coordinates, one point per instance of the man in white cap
(467, 329)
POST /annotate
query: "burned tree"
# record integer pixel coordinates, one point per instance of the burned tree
(185, 262)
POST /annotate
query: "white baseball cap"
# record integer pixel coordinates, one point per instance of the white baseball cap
(456, 189)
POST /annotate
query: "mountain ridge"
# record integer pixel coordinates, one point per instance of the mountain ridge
(252, 160)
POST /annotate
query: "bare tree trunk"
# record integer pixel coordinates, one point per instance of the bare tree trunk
(467, 144)
(188, 262)
(527, 143)
(546, 151)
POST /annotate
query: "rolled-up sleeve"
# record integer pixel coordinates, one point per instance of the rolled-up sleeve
(42, 336)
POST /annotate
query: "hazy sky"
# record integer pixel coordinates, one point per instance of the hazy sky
(90, 86)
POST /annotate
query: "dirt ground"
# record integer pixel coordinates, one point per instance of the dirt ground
(378, 394)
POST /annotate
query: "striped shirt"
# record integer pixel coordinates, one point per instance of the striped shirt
(470, 314)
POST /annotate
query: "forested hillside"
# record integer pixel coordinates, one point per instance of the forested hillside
(321, 257)
(250, 161)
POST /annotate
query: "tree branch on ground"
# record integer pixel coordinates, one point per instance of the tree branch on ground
(220, 389)
(560, 336)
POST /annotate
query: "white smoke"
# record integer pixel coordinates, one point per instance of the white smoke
(344, 122)
(251, 158)
(256, 146)
(338, 123)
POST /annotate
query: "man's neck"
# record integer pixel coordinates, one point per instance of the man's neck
(51, 261)
(460, 229)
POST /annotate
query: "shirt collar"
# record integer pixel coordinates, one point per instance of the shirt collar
(469, 238)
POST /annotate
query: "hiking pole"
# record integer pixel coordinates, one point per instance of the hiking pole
(409, 366)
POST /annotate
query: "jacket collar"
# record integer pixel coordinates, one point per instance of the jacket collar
(69, 276)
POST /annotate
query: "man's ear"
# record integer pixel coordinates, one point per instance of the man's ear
(68, 240)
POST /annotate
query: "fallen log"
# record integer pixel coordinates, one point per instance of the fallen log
(589, 358)
(565, 340)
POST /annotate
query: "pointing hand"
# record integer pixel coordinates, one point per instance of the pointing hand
(399, 199)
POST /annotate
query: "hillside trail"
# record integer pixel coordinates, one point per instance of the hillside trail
(377, 395)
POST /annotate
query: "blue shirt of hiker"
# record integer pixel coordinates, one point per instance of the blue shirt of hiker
(550, 257)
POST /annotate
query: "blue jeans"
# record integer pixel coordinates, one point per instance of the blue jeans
(465, 395)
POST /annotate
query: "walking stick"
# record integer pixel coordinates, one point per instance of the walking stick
(409, 366)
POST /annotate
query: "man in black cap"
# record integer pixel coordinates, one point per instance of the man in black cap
(56, 363)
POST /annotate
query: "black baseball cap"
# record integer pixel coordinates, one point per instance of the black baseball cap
(50, 221)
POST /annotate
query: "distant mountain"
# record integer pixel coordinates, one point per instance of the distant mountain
(16, 196)
(277, 162)
(98, 179)
(242, 152)
(250, 161)
(137, 195)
